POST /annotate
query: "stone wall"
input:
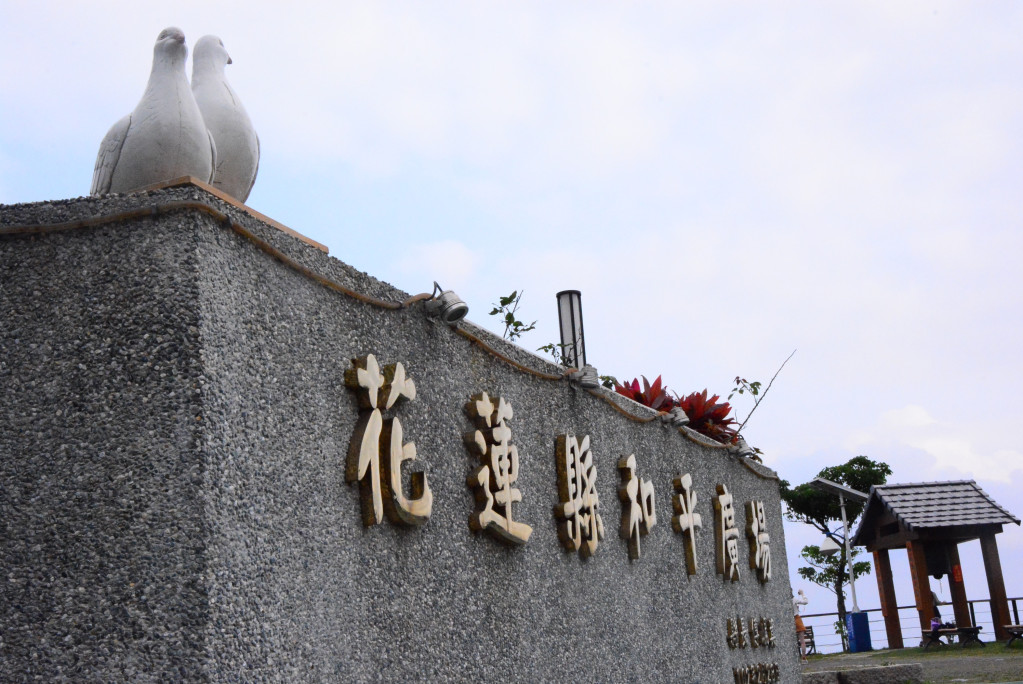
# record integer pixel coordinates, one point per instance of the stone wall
(173, 454)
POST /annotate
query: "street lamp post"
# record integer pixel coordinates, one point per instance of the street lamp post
(848, 553)
(856, 622)
(573, 342)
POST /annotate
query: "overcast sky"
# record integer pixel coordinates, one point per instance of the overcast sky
(724, 182)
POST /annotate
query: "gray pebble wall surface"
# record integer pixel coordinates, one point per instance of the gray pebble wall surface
(173, 440)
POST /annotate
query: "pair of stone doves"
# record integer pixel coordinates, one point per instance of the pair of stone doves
(176, 130)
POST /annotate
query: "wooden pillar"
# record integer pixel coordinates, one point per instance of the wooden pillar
(921, 585)
(889, 605)
(958, 589)
(995, 584)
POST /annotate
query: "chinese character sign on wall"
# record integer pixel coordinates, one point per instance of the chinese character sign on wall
(686, 520)
(638, 511)
(726, 535)
(759, 635)
(736, 635)
(492, 481)
(759, 540)
(377, 450)
(580, 527)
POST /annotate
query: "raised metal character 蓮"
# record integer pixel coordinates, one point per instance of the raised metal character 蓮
(492, 482)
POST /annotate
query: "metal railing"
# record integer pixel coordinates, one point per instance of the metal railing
(828, 640)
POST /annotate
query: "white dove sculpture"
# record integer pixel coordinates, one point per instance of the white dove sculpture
(165, 136)
(237, 142)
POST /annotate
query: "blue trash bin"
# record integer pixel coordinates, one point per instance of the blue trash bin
(858, 628)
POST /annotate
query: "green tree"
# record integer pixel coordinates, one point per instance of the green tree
(821, 510)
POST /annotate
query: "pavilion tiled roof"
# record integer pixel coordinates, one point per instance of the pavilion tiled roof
(920, 505)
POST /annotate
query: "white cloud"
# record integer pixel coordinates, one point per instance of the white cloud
(949, 450)
(908, 417)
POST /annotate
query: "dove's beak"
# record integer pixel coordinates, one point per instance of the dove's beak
(229, 61)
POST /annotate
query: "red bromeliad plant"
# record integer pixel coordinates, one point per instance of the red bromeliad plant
(708, 417)
(655, 396)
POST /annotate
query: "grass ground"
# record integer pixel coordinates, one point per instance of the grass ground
(993, 663)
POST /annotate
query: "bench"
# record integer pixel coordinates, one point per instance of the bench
(811, 645)
(967, 635)
(1015, 632)
(932, 638)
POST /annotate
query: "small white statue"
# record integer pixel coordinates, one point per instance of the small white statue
(165, 136)
(797, 601)
(237, 143)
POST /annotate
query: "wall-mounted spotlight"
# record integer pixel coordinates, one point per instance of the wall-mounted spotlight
(676, 417)
(573, 343)
(741, 448)
(447, 306)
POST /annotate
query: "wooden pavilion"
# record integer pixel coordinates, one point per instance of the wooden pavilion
(930, 520)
